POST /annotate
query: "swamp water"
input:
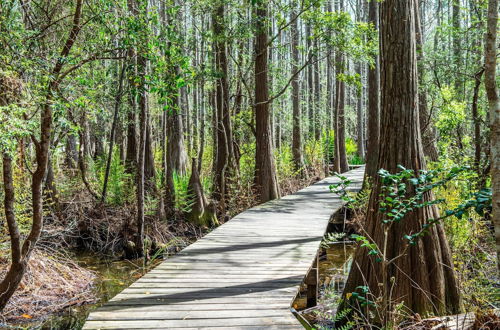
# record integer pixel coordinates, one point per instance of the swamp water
(112, 276)
(334, 265)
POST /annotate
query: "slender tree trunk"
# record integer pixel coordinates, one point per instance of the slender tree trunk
(494, 107)
(118, 98)
(477, 123)
(149, 161)
(420, 276)
(266, 180)
(317, 96)
(298, 159)
(310, 85)
(427, 129)
(143, 120)
(360, 119)
(340, 163)
(17, 268)
(131, 154)
(71, 151)
(373, 128)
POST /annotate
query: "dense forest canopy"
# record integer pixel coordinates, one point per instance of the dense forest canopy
(129, 128)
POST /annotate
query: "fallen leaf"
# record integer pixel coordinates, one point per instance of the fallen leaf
(27, 316)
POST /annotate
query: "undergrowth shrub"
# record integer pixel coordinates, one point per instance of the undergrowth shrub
(471, 241)
(182, 197)
(117, 182)
(314, 156)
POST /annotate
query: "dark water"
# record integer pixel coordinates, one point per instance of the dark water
(112, 277)
(334, 265)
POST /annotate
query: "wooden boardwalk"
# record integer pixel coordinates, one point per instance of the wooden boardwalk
(243, 275)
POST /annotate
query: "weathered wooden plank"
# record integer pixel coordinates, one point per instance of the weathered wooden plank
(166, 314)
(240, 300)
(197, 307)
(170, 324)
(242, 275)
(211, 284)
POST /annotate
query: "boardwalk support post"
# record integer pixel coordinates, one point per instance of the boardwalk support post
(312, 280)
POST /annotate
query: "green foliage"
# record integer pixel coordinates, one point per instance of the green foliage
(118, 180)
(328, 141)
(452, 114)
(183, 200)
(313, 153)
(330, 238)
(340, 31)
(340, 188)
(405, 192)
(284, 163)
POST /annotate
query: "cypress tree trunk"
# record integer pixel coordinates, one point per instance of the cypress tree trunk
(266, 181)
(224, 158)
(423, 275)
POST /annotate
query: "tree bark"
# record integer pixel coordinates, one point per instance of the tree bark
(266, 181)
(298, 159)
(360, 119)
(477, 123)
(71, 151)
(143, 120)
(490, 51)
(340, 163)
(17, 268)
(310, 85)
(421, 276)
(427, 129)
(224, 160)
(373, 127)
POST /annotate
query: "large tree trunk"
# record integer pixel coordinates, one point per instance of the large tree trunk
(494, 105)
(421, 276)
(224, 159)
(373, 126)
(266, 180)
(298, 159)
(176, 152)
